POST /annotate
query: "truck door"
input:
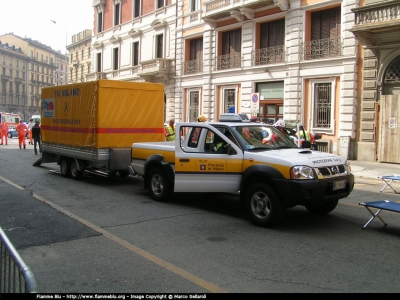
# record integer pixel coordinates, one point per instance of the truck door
(203, 164)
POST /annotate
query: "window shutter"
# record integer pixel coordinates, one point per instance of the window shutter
(272, 34)
(231, 41)
(196, 49)
(325, 24)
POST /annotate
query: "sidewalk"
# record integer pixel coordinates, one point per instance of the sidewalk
(373, 170)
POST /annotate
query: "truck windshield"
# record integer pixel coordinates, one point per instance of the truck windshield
(261, 137)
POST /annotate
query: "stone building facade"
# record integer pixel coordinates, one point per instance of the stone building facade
(40, 70)
(376, 26)
(80, 56)
(298, 57)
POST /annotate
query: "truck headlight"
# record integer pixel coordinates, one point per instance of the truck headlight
(302, 172)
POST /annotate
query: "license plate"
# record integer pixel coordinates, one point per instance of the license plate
(339, 185)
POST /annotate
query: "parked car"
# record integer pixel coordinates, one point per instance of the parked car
(12, 133)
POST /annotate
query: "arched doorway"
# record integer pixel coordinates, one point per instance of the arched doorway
(389, 117)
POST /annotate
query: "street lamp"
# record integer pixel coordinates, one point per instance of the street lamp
(66, 57)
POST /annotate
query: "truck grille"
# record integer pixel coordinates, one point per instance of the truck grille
(331, 170)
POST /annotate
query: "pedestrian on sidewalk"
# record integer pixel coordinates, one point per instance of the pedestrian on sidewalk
(4, 132)
(36, 135)
(22, 129)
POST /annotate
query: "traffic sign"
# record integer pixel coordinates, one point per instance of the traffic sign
(255, 103)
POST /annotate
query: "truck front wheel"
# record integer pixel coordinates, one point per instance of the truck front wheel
(323, 209)
(263, 205)
(160, 189)
(65, 167)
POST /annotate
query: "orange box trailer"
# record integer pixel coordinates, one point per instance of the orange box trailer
(93, 124)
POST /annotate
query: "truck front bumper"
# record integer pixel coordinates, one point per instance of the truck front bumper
(315, 191)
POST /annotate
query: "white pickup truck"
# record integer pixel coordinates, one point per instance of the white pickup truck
(267, 170)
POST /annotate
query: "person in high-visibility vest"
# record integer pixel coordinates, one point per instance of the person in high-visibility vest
(307, 134)
(170, 131)
(4, 132)
(22, 129)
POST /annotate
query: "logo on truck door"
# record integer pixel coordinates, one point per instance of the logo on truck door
(212, 166)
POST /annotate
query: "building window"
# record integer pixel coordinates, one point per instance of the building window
(88, 51)
(135, 49)
(193, 5)
(136, 8)
(82, 54)
(323, 95)
(160, 3)
(270, 43)
(229, 99)
(230, 48)
(195, 54)
(98, 62)
(99, 22)
(115, 59)
(324, 37)
(117, 13)
(194, 105)
(159, 46)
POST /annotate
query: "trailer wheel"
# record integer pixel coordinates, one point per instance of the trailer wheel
(263, 205)
(323, 209)
(75, 173)
(123, 173)
(160, 189)
(65, 167)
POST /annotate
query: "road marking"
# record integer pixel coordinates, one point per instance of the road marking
(162, 263)
(12, 183)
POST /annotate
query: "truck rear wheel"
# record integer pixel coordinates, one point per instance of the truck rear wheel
(65, 167)
(263, 205)
(160, 189)
(323, 209)
(75, 173)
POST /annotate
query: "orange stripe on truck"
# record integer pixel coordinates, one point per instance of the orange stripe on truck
(103, 130)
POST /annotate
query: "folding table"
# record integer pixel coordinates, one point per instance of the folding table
(389, 180)
(380, 205)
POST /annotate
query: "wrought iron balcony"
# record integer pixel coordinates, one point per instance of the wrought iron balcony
(192, 67)
(229, 61)
(5, 77)
(270, 55)
(37, 96)
(382, 17)
(323, 48)
(19, 80)
(221, 8)
(75, 62)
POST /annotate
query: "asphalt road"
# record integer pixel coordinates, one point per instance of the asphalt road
(105, 235)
